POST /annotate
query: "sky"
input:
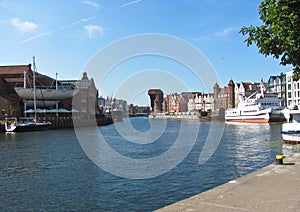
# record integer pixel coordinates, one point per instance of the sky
(65, 36)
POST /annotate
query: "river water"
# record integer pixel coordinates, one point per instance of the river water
(49, 171)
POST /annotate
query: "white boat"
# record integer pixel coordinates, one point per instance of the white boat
(257, 108)
(291, 131)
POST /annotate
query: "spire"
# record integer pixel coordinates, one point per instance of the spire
(85, 77)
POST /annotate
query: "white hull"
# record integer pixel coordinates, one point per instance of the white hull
(291, 133)
(291, 138)
(236, 115)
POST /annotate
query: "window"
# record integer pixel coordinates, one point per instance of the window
(289, 94)
(289, 87)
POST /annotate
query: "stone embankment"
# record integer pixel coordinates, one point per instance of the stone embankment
(69, 122)
(272, 188)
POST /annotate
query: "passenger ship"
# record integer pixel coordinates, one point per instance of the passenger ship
(257, 108)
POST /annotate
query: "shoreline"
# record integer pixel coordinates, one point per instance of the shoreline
(65, 122)
(271, 188)
(186, 116)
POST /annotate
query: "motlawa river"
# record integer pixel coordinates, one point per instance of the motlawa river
(50, 171)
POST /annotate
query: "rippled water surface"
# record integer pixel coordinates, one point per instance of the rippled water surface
(47, 171)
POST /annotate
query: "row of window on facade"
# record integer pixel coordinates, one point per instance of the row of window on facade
(286, 87)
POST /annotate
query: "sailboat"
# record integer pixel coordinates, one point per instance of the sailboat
(27, 124)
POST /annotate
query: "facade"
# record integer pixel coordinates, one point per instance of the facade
(187, 102)
(170, 103)
(86, 99)
(292, 91)
(208, 102)
(21, 76)
(224, 97)
(17, 93)
(195, 102)
(277, 84)
(244, 89)
(174, 103)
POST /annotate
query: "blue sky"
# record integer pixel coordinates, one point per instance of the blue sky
(65, 35)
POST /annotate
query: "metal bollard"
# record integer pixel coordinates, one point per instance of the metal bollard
(279, 159)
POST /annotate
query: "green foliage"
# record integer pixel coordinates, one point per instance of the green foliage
(279, 36)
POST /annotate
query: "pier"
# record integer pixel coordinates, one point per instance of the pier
(272, 188)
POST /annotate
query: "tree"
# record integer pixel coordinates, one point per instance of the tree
(280, 34)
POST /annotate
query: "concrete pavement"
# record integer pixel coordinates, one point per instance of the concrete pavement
(272, 188)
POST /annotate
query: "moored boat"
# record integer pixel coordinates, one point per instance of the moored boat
(291, 131)
(26, 125)
(257, 108)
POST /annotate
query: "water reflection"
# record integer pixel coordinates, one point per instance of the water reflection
(253, 144)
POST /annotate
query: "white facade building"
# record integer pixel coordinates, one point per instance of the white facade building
(292, 90)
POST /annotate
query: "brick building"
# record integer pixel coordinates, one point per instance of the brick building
(17, 93)
(224, 97)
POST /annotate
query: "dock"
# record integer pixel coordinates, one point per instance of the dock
(273, 188)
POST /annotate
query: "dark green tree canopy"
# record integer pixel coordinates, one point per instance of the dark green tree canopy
(279, 36)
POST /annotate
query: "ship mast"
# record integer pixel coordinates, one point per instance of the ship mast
(24, 85)
(34, 89)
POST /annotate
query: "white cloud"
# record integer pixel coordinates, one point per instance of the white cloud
(23, 26)
(92, 4)
(217, 35)
(129, 3)
(223, 33)
(93, 30)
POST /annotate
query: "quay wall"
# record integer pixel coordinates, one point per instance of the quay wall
(187, 116)
(174, 116)
(69, 122)
(272, 188)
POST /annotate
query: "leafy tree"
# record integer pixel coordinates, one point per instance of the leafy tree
(279, 35)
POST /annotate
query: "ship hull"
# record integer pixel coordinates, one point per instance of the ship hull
(32, 127)
(262, 118)
(14, 126)
(291, 133)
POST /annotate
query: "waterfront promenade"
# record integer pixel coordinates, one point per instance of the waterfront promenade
(273, 188)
